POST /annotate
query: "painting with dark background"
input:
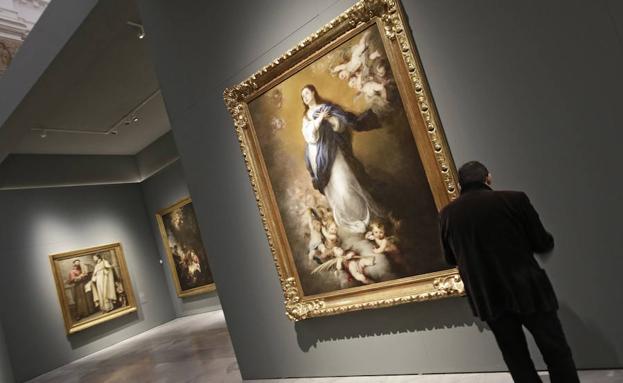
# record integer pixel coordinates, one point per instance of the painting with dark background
(181, 236)
(375, 171)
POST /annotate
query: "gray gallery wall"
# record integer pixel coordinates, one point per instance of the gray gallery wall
(160, 191)
(23, 171)
(156, 156)
(531, 88)
(6, 372)
(40, 222)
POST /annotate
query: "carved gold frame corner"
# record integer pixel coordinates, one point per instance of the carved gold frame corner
(60, 287)
(165, 243)
(425, 125)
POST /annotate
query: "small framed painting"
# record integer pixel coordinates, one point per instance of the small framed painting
(93, 286)
(187, 256)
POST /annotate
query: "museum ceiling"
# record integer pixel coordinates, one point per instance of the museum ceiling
(100, 95)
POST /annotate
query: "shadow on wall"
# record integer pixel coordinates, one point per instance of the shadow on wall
(90, 335)
(587, 342)
(421, 316)
(586, 339)
(199, 297)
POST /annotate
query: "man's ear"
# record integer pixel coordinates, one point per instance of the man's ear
(488, 180)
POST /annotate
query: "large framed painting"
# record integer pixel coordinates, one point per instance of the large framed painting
(187, 257)
(93, 286)
(350, 166)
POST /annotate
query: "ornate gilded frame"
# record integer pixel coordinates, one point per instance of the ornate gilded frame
(165, 242)
(425, 125)
(60, 287)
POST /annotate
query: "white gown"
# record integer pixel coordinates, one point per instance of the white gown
(352, 206)
(104, 293)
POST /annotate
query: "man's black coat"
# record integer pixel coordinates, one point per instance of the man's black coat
(492, 237)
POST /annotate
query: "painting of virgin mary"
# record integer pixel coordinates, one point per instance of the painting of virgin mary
(332, 165)
(345, 170)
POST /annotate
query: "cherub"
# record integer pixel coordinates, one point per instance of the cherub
(337, 256)
(355, 82)
(329, 231)
(324, 213)
(357, 58)
(373, 91)
(194, 264)
(384, 244)
(356, 266)
(379, 70)
(377, 234)
(348, 261)
(316, 239)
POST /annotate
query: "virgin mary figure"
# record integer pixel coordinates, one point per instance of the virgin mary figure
(332, 165)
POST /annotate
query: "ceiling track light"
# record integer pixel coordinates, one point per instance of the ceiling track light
(126, 120)
(43, 132)
(139, 27)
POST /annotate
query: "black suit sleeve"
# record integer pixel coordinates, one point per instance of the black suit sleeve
(447, 250)
(540, 239)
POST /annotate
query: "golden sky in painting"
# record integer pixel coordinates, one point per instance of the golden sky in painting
(374, 145)
(388, 153)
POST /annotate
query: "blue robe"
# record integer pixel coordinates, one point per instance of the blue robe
(329, 141)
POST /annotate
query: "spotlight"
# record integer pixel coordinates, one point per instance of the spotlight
(43, 134)
(114, 132)
(139, 27)
(135, 119)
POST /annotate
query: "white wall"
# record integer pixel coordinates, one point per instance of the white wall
(160, 191)
(531, 88)
(40, 222)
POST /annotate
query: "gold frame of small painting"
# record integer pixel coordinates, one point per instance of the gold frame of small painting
(362, 52)
(81, 290)
(167, 246)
